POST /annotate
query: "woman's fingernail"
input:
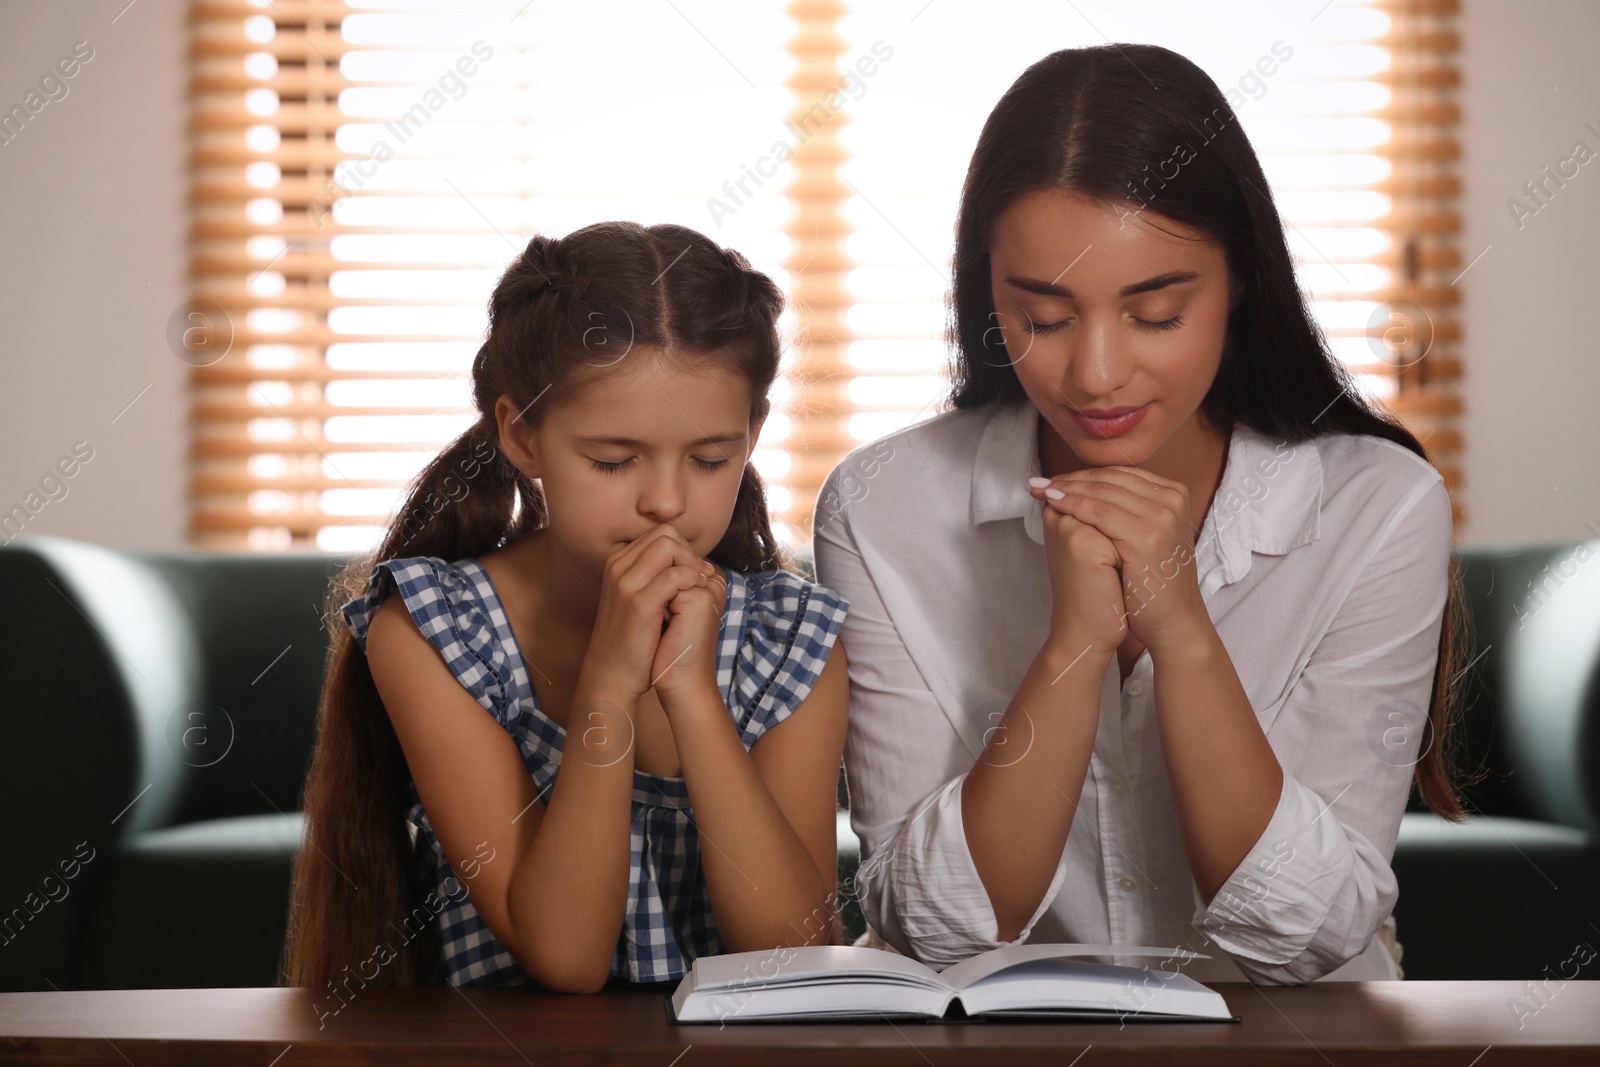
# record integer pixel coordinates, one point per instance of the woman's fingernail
(1054, 494)
(1038, 483)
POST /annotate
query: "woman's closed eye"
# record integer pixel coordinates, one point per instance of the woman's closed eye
(1163, 324)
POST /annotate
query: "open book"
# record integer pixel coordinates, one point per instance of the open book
(838, 982)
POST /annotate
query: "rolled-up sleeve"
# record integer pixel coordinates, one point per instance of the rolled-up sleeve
(1314, 889)
(923, 895)
(906, 767)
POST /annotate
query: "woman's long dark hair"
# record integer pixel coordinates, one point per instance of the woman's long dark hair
(1102, 122)
(563, 313)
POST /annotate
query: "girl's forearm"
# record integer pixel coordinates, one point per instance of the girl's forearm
(765, 888)
(568, 894)
(1225, 778)
(1019, 799)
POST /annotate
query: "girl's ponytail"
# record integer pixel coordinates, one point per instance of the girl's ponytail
(354, 891)
(353, 888)
(468, 501)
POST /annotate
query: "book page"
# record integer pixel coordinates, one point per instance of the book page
(968, 971)
(807, 964)
(1079, 987)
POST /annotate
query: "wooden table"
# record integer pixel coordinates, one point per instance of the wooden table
(1453, 1024)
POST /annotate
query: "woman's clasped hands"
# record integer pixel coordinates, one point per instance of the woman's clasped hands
(1120, 550)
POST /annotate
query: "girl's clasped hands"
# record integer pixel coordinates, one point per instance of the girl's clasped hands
(659, 616)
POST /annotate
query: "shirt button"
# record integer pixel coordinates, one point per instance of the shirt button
(1118, 786)
(1135, 688)
(1127, 884)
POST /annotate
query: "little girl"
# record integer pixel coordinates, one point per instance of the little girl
(592, 565)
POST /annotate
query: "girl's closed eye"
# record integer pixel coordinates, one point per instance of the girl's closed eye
(613, 468)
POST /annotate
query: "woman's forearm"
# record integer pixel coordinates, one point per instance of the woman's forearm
(1225, 778)
(764, 886)
(1019, 799)
(569, 891)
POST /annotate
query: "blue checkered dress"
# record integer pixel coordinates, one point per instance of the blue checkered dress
(776, 631)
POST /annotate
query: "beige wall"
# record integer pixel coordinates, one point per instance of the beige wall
(1532, 379)
(84, 309)
(86, 296)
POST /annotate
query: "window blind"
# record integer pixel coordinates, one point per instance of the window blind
(363, 171)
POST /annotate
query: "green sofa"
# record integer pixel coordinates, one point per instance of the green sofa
(160, 711)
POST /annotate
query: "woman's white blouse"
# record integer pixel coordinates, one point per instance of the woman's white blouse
(1324, 568)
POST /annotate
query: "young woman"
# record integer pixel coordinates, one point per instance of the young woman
(597, 733)
(1153, 628)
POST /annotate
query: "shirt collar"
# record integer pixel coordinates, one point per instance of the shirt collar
(1008, 455)
(1269, 500)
